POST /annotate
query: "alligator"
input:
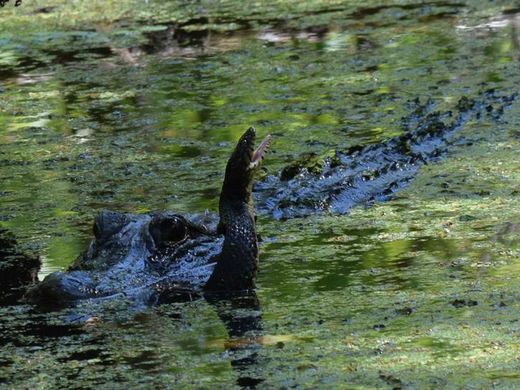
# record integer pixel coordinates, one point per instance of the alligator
(158, 256)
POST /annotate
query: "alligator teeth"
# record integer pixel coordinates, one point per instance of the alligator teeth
(259, 152)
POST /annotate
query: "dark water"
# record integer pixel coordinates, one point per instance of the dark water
(421, 291)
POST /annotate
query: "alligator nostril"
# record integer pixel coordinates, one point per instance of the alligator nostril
(108, 223)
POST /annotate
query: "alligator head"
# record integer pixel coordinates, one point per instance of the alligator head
(147, 255)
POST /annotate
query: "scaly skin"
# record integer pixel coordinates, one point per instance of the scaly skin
(237, 264)
(150, 255)
(156, 257)
(374, 172)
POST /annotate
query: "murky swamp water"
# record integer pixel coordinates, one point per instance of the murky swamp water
(137, 110)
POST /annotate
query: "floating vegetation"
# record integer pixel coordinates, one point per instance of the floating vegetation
(133, 106)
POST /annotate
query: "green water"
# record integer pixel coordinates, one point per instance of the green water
(135, 107)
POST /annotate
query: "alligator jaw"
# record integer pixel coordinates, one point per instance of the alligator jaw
(241, 168)
(259, 152)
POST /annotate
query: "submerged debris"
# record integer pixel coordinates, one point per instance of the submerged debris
(458, 303)
(17, 269)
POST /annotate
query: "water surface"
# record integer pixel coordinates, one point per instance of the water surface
(138, 109)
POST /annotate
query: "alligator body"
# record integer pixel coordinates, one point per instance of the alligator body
(151, 257)
(374, 172)
(155, 257)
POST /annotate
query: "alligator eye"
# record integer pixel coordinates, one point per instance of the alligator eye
(167, 229)
(176, 231)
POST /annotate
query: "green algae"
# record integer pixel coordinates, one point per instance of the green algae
(418, 292)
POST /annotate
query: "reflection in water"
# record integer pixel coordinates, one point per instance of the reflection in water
(242, 317)
(138, 340)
